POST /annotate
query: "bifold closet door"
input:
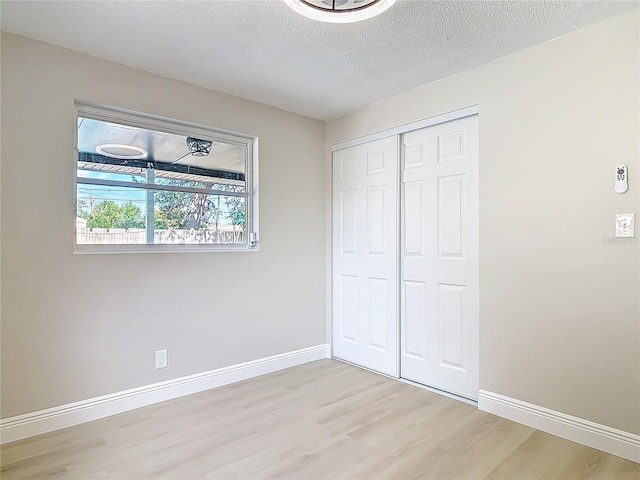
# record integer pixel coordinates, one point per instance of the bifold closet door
(365, 255)
(439, 269)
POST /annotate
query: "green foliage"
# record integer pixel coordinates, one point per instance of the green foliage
(170, 211)
(131, 216)
(108, 214)
(236, 208)
(238, 218)
(178, 210)
(160, 220)
(173, 210)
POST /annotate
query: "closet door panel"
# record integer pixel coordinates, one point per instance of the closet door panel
(439, 327)
(365, 255)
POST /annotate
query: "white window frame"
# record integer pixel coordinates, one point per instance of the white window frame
(178, 127)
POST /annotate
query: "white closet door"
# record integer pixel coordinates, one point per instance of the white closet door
(365, 255)
(439, 271)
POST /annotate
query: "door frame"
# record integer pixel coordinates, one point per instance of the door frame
(394, 131)
(408, 127)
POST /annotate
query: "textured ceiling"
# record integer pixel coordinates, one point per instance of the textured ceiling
(264, 51)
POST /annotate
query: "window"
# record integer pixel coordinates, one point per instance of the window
(149, 184)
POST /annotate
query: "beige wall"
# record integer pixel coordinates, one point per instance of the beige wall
(559, 295)
(79, 326)
(560, 321)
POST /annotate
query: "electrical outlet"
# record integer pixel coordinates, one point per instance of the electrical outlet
(162, 360)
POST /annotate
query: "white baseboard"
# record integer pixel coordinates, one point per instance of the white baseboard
(43, 421)
(579, 430)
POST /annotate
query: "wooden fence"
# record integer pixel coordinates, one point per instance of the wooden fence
(122, 236)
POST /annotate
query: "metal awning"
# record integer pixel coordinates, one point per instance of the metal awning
(167, 153)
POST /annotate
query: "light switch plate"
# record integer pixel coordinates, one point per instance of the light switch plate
(625, 225)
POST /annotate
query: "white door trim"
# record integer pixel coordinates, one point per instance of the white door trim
(408, 127)
(441, 118)
(394, 131)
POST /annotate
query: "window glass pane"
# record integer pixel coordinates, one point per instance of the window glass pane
(114, 148)
(143, 185)
(194, 218)
(136, 177)
(207, 184)
(110, 215)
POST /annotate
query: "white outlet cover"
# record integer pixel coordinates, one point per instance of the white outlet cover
(625, 225)
(162, 360)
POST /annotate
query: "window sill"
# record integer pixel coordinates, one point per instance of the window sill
(109, 249)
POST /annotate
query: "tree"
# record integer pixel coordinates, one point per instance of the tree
(160, 222)
(238, 219)
(131, 216)
(187, 210)
(81, 208)
(196, 212)
(178, 210)
(236, 208)
(108, 214)
(105, 214)
(171, 208)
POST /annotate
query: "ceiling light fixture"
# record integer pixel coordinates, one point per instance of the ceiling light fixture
(123, 152)
(339, 11)
(198, 147)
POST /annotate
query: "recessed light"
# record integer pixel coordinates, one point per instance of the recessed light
(123, 152)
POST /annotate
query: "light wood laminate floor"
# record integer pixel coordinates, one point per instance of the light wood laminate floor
(323, 420)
